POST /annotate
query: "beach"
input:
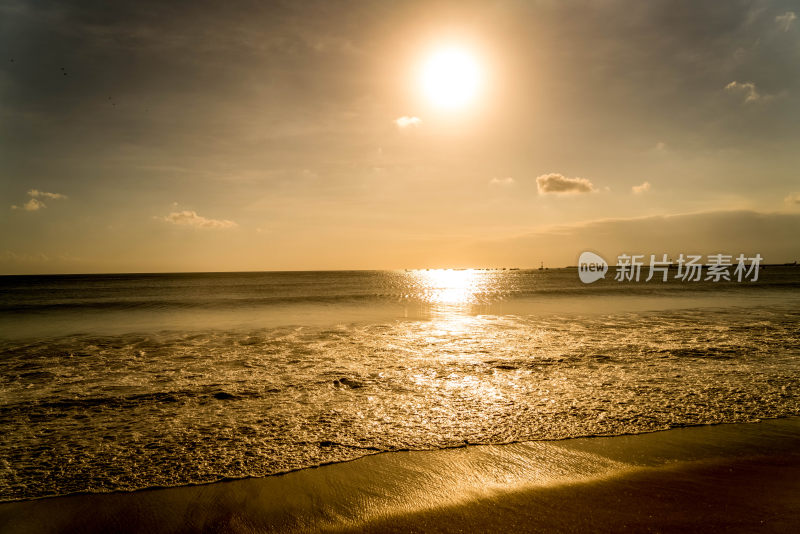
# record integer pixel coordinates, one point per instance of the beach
(409, 266)
(734, 478)
(452, 401)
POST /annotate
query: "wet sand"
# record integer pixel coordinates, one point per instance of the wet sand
(733, 478)
(748, 495)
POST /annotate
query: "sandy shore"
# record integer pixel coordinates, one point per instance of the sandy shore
(741, 478)
(747, 495)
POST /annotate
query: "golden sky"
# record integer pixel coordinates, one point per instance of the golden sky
(207, 136)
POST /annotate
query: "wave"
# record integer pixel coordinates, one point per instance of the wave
(150, 304)
(166, 406)
(235, 303)
(133, 400)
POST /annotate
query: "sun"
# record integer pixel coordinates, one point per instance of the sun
(451, 78)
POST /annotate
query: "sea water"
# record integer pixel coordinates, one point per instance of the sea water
(120, 382)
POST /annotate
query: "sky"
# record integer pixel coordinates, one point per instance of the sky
(207, 136)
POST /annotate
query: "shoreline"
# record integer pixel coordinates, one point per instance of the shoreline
(328, 464)
(437, 490)
(752, 494)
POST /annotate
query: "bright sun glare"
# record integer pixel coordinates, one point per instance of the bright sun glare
(450, 287)
(451, 78)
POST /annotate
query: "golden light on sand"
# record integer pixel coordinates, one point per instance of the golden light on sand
(451, 78)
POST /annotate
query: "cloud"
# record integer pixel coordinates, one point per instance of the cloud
(406, 122)
(191, 218)
(558, 183)
(34, 204)
(35, 193)
(502, 182)
(22, 257)
(773, 235)
(793, 198)
(31, 205)
(639, 189)
(748, 89)
(785, 21)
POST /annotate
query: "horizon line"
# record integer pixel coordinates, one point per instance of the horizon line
(124, 273)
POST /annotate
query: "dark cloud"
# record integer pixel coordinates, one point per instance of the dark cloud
(727, 232)
(558, 183)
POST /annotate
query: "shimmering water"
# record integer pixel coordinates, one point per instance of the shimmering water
(132, 381)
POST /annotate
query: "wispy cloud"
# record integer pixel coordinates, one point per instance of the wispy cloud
(31, 205)
(748, 89)
(34, 204)
(785, 21)
(639, 189)
(406, 122)
(502, 182)
(793, 198)
(22, 257)
(35, 193)
(558, 183)
(191, 218)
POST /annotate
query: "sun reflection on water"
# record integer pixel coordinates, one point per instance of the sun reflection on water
(450, 287)
(451, 296)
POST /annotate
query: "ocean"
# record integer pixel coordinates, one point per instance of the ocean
(122, 382)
